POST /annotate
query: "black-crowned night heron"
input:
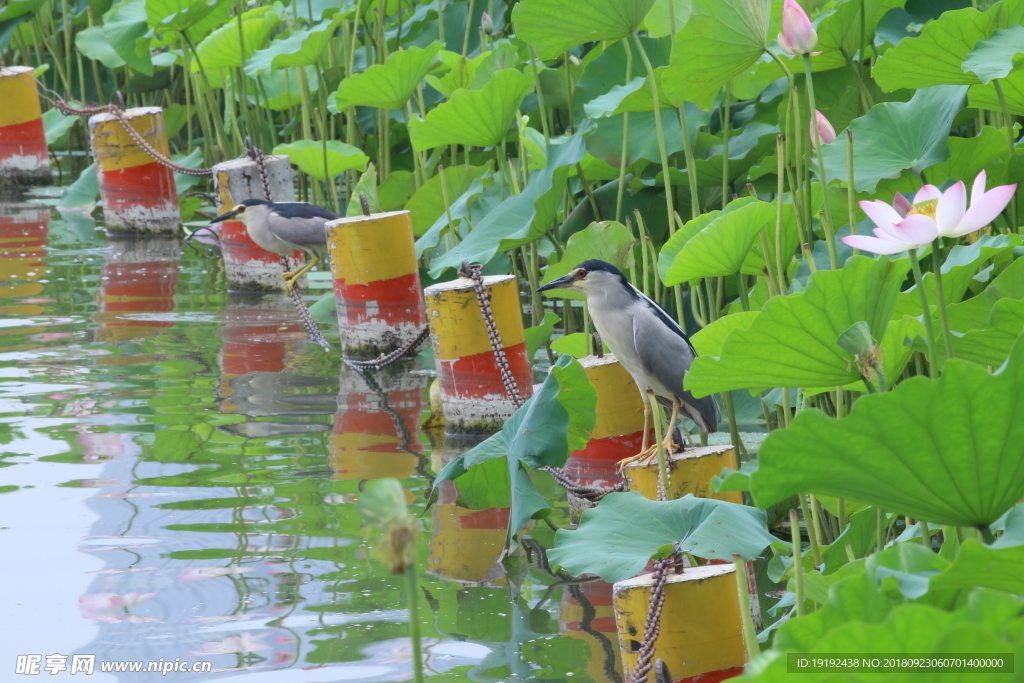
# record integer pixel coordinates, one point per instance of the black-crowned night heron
(649, 344)
(283, 227)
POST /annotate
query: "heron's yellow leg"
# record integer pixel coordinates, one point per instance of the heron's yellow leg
(291, 278)
(643, 443)
(669, 446)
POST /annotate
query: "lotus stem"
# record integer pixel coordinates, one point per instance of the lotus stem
(798, 565)
(879, 529)
(412, 581)
(540, 95)
(625, 138)
(725, 143)
(749, 632)
(933, 354)
(812, 532)
(1008, 119)
(826, 221)
(657, 123)
(851, 193)
(926, 534)
(940, 298)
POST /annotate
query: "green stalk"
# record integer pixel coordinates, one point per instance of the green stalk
(749, 632)
(926, 534)
(657, 418)
(625, 137)
(440, 22)
(725, 143)
(940, 297)
(540, 96)
(933, 354)
(812, 531)
(412, 582)
(773, 289)
(568, 93)
(218, 125)
(851, 193)
(780, 153)
(798, 566)
(879, 529)
(657, 122)
(827, 220)
(1010, 141)
(469, 22)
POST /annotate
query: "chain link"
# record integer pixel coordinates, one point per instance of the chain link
(385, 360)
(587, 492)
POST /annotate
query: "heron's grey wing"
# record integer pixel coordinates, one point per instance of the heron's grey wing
(666, 354)
(300, 224)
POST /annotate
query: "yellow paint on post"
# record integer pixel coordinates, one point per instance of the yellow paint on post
(463, 553)
(458, 329)
(19, 98)
(224, 201)
(365, 249)
(689, 472)
(359, 456)
(701, 629)
(116, 150)
(619, 407)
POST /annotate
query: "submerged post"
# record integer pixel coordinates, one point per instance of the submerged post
(24, 157)
(689, 471)
(138, 192)
(701, 629)
(473, 393)
(247, 266)
(618, 432)
(376, 282)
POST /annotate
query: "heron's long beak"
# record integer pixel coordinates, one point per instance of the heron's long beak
(224, 217)
(560, 283)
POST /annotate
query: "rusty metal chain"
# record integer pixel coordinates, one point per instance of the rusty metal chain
(256, 154)
(585, 491)
(118, 111)
(385, 360)
(484, 300)
(652, 625)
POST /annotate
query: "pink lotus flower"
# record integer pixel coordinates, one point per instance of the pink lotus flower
(486, 23)
(798, 36)
(111, 608)
(281, 658)
(246, 642)
(825, 130)
(933, 214)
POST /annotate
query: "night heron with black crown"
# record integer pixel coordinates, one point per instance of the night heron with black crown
(284, 227)
(650, 345)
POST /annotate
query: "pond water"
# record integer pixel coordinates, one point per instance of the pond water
(180, 472)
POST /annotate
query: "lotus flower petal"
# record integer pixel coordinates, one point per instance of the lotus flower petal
(799, 34)
(927, 193)
(875, 245)
(985, 209)
(901, 204)
(882, 215)
(951, 207)
(917, 230)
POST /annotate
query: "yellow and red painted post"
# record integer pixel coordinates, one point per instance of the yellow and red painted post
(701, 637)
(472, 391)
(138, 276)
(24, 157)
(139, 195)
(689, 471)
(376, 429)
(23, 239)
(247, 266)
(376, 282)
(617, 434)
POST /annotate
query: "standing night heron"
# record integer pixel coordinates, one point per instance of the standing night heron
(649, 344)
(283, 227)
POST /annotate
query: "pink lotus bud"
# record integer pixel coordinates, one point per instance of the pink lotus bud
(486, 23)
(825, 130)
(798, 36)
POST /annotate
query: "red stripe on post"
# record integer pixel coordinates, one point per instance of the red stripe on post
(24, 140)
(149, 185)
(395, 301)
(478, 376)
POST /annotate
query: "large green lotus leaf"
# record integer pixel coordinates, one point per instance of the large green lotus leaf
(710, 340)
(978, 565)
(990, 346)
(389, 85)
(969, 156)
(754, 263)
(310, 157)
(946, 451)
(676, 242)
(125, 27)
(607, 240)
(936, 57)
(56, 125)
(523, 218)
(986, 97)
(722, 39)
(555, 26)
(474, 117)
(997, 56)
(606, 142)
(617, 538)
(552, 423)
(300, 48)
(282, 88)
(538, 335)
(461, 208)
(222, 47)
(19, 8)
(83, 192)
(194, 18)
(396, 191)
(383, 504)
(93, 44)
(894, 136)
(720, 247)
(793, 342)
(427, 204)
(659, 20)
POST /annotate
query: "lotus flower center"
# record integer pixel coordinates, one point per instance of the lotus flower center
(926, 208)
